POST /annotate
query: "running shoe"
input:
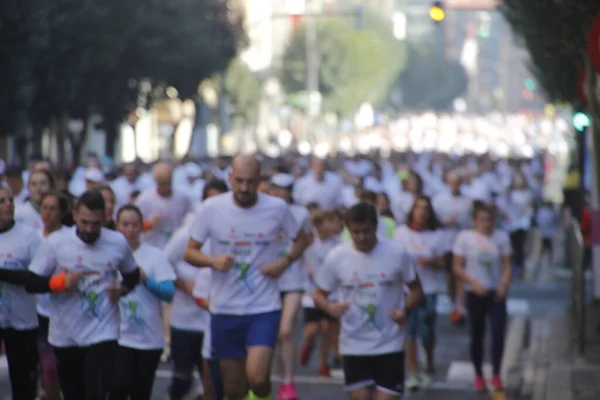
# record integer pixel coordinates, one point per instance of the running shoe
(412, 383)
(497, 383)
(287, 391)
(479, 384)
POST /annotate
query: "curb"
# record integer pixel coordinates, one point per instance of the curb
(515, 343)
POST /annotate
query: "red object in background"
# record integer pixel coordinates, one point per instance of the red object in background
(296, 21)
(594, 43)
(586, 226)
(581, 92)
(595, 221)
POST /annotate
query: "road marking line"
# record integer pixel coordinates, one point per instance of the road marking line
(515, 307)
(462, 371)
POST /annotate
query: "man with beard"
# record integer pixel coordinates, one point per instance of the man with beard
(245, 229)
(80, 267)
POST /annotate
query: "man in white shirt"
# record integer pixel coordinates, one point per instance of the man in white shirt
(245, 230)
(370, 276)
(320, 186)
(80, 267)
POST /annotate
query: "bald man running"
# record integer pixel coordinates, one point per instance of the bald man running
(245, 229)
(162, 207)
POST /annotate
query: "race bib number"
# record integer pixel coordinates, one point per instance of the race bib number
(13, 265)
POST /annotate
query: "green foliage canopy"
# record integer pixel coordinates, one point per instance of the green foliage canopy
(555, 34)
(71, 58)
(354, 66)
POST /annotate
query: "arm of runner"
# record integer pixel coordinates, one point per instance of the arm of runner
(164, 290)
(505, 265)
(300, 234)
(129, 269)
(15, 277)
(199, 232)
(41, 269)
(162, 283)
(410, 277)
(327, 281)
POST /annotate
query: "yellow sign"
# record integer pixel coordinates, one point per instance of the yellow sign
(437, 14)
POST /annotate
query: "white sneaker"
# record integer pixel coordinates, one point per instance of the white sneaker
(413, 383)
(166, 355)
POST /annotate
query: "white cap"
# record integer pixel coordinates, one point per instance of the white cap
(94, 175)
(282, 180)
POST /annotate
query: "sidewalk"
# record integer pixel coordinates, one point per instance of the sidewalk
(554, 370)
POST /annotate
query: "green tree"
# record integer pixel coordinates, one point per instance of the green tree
(244, 91)
(555, 35)
(355, 66)
(70, 58)
(430, 81)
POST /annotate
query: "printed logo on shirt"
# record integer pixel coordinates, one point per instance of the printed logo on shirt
(243, 270)
(224, 242)
(486, 261)
(232, 233)
(130, 309)
(89, 305)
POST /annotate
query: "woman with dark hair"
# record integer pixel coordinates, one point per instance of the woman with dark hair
(40, 182)
(413, 186)
(110, 202)
(423, 241)
(54, 207)
(141, 336)
(482, 261)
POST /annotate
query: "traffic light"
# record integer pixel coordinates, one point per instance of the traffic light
(437, 12)
(359, 18)
(580, 121)
(530, 84)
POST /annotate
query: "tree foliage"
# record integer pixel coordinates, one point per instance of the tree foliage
(555, 34)
(354, 66)
(244, 91)
(65, 59)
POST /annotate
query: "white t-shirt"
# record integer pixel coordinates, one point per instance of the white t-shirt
(446, 206)
(373, 285)
(401, 206)
(294, 278)
(482, 255)
(314, 256)
(326, 193)
(423, 244)
(253, 235)
(185, 313)
(17, 249)
(85, 315)
(171, 211)
(29, 216)
(140, 311)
